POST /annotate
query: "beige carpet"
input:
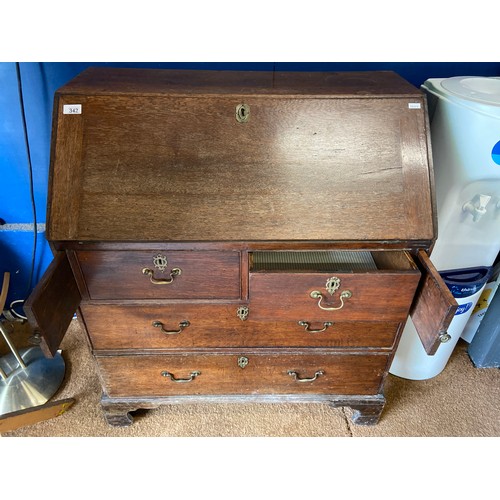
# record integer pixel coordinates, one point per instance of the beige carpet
(461, 401)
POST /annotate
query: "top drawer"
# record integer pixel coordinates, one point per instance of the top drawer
(161, 275)
(332, 286)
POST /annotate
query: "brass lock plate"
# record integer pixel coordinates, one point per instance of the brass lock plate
(242, 313)
(242, 361)
(332, 285)
(160, 262)
(242, 113)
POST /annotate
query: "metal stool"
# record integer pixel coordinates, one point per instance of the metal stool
(27, 377)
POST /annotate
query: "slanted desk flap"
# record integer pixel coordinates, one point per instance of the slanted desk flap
(153, 156)
(434, 306)
(52, 304)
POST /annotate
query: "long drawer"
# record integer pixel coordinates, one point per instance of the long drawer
(185, 326)
(242, 373)
(161, 275)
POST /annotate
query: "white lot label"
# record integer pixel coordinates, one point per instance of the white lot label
(413, 105)
(72, 109)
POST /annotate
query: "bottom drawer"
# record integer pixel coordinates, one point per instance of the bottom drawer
(156, 376)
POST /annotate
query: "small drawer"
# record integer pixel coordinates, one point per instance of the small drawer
(187, 326)
(345, 286)
(169, 326)
(245, 373)
(161, 275)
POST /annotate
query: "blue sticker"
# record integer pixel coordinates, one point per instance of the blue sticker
(463, 308)
(460, 291)
(495, 153)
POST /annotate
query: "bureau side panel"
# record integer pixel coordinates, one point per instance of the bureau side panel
(65, 176)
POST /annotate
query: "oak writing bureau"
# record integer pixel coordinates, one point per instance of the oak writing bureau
(240, 236)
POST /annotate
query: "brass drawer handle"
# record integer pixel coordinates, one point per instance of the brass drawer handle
(149, 272)
(296, 376)
(182, 325)
(169, 375)
(306, 326)
(346, 294)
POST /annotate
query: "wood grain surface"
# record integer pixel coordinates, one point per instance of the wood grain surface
(104, 81)
(53, 303)
(129, 376)
(31, 416)
(129, 327)
(170, 168)
(375, 296)
(160, 162)
(434, 306)
(118, 275)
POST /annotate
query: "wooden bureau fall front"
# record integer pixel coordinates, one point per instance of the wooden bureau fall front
(240, 236)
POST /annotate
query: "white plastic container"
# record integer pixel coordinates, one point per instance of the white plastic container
(411, 360)
(465, 134)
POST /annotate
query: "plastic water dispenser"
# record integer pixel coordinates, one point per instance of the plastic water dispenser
(465, 133)
(411, 360)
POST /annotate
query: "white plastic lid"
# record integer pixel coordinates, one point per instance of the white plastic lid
(474, 88)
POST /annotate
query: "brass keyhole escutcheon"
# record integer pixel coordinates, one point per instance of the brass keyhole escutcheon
(242, 313)
(242, 361)
(160, 262)
(242, 113)
(332, 285)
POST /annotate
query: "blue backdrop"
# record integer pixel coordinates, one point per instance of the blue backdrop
(39, 82)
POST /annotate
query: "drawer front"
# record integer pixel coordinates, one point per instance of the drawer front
(184, 326)
(152, 275)
(172, 375)
(378, 296)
